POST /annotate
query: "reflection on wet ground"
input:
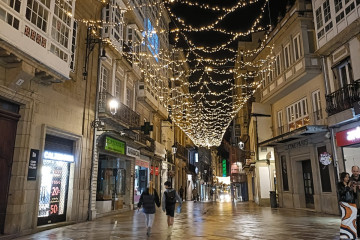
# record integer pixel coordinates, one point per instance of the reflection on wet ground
(210, 220)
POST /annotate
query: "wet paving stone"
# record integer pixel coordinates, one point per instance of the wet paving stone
(211, 220)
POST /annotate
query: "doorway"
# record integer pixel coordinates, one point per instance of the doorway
(308, 184)
(8, 123)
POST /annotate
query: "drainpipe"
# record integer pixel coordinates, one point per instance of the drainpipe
(332, 135)
(94, 154)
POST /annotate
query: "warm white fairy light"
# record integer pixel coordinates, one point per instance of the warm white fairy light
(205, 113)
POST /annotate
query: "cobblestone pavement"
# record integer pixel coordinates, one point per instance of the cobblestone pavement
(209, 220)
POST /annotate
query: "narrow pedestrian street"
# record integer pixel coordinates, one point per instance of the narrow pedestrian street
(208, 220)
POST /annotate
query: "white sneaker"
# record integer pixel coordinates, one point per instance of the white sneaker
(169, 230)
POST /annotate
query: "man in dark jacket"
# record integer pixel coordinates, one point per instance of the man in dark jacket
(355, 180)
(148, 199)
(168, 204)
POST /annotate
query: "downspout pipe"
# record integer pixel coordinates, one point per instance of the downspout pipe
(93, 175)
(332, 132)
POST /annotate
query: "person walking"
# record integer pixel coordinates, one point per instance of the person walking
(181, 193)
(169, 199)
(195, 194)
(347, 197)
(148, 199)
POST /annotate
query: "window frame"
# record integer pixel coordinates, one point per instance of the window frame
(287, 57)
(298, 48)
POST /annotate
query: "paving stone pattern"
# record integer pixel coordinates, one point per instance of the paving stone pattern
(210, 220)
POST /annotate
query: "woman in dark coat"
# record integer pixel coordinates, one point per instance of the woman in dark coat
(148, 199)
(348, 208)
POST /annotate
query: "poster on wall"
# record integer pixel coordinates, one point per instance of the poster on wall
(55, 191)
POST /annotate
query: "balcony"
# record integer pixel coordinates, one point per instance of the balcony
(182, 152)
(297, 74)
(315, 118)
(124, 114)
(148, 96)
(343, 98)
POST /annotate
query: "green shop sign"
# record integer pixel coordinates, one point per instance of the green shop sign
(114, 145)
(224, 167)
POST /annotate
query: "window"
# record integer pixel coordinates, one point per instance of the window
(297, 115)
(350, 8)
(280, 122)
(338, 5)
(117, 88)
(324, 172)
(129, 97)
(319, 18)
(278, 65)
(73, 47)
(284, 174)
(287, 56)
(104, 79)
(343, 74)
(37, 12)
(297, 47)
(317, 105)
(112, 14)
(327, 13)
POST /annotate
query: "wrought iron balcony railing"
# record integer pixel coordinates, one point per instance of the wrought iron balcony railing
(343, 99)
(124, 114)
(182, 152)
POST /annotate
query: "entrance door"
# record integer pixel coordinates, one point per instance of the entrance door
(308, 184)
(8, 124)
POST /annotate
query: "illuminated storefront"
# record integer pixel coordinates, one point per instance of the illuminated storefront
(112, 172)
(54, 184)
(141, 179)
(349, 141)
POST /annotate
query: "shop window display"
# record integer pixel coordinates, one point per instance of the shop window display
(111, 183)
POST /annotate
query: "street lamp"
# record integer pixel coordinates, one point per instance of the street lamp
(174, 148)
(114, 105)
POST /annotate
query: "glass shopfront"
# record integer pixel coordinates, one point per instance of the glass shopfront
(141, 178)
(349, 140)
(54, 183)
(111, 183)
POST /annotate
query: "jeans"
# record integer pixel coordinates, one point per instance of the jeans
(149, 219)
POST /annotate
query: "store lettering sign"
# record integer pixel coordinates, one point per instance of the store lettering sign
(58, 156)
(348, 137)
(141, 163)
(132, 152)
(114, 145)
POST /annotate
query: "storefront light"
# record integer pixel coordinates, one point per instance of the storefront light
(354, 134)
(58, 156)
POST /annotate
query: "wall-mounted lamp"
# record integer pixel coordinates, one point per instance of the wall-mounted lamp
(90, 44)
(174, 148)
(114, 105)
(241, 145)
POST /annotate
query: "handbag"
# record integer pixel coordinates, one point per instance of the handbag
(349, 197)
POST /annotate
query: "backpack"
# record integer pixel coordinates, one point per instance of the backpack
(170, 197)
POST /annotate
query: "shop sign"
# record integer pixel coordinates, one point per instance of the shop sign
(114, 145)
(33, 163)
(348, 137)
(298, 144)
(224, 167)
(156, 171)
(325, 158)
(132, 152)
(58, 156)
(141, 163)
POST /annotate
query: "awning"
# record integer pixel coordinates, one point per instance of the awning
(297, 134)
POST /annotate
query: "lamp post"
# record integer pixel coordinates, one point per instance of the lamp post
(174, 150)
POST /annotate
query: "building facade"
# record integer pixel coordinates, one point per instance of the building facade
(338, 43)
(46, 114)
